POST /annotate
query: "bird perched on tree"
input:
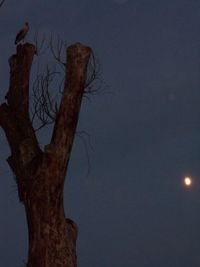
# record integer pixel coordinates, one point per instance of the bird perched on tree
(22, 33)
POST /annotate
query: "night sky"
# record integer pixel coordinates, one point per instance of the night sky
(132, 208)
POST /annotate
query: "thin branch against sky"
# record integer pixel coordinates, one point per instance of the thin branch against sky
(2, 2)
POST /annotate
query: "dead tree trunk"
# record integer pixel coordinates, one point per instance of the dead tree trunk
(41, 174)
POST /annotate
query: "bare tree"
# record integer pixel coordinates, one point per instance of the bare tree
(40, 174)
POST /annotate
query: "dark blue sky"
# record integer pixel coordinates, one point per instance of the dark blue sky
(132, 209)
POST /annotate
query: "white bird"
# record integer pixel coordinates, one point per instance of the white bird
(22, 33)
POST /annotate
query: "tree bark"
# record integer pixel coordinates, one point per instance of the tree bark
(40, 175)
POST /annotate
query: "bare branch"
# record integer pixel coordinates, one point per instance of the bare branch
(1, 3)
(58, 48)
(39, 42)
(44, 106)
(93, 76)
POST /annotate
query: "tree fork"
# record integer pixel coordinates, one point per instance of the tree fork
(40, 175)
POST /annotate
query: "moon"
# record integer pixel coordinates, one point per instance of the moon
(188, 181)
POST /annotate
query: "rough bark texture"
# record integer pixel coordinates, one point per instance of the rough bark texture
(41, 174)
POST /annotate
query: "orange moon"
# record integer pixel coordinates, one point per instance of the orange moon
(187, 181)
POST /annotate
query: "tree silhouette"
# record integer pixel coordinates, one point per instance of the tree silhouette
(40, 174)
